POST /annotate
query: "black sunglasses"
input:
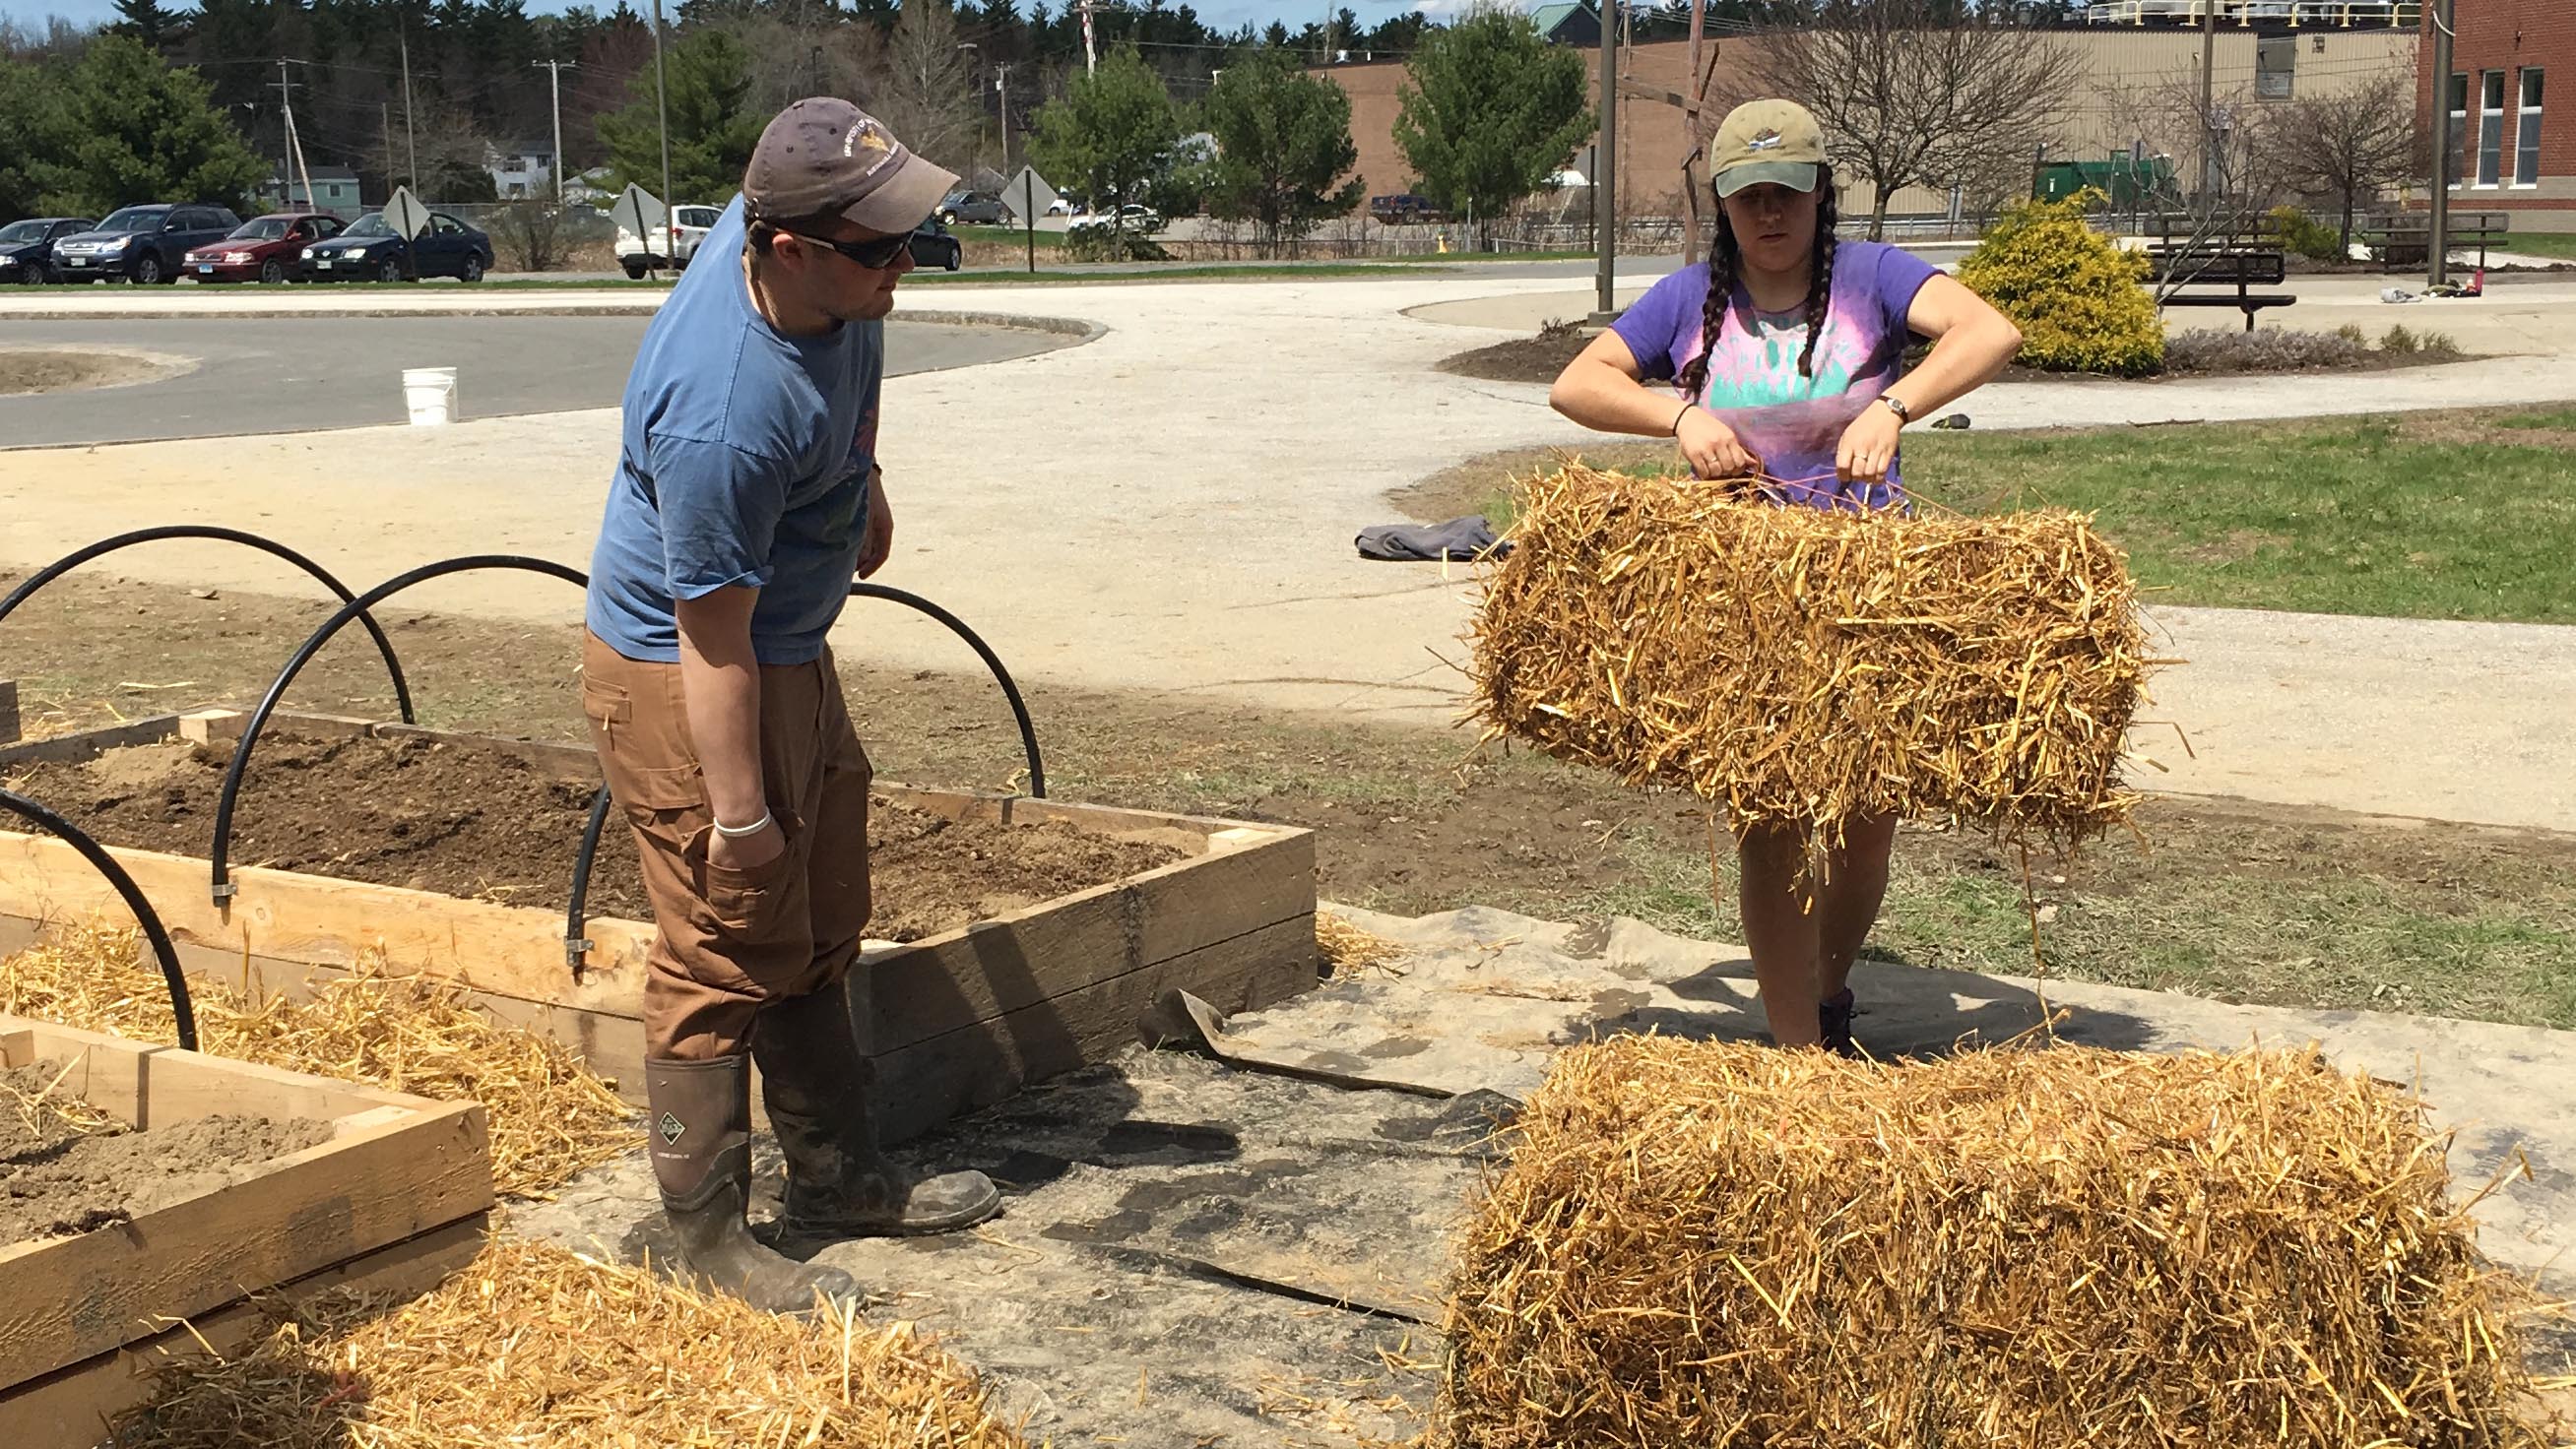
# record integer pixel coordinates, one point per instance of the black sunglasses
(875, 255)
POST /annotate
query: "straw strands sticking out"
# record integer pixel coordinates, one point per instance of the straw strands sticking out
(1801, 665)
(549, 1116)
(533, 1347)
(1714, 1243)
(1354, 951)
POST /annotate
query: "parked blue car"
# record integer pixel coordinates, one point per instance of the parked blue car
(140, 243)
(370, 252)
(27, 247)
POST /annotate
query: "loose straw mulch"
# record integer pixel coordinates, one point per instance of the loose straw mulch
(1724, 1244)
(1354, 951)
(532, 1346)
(1799, 665)
(549, 1116)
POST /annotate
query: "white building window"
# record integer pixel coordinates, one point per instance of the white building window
(2526, 131)
(2490, 127)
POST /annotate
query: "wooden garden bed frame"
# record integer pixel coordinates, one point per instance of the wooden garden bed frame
(965, 1019)
(396, 1199)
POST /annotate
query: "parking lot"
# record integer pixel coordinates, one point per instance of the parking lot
(266, 375)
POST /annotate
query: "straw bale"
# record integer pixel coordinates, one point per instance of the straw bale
(549, 1116)
(1806, 665)
(1723, 1244)
(533, 1346)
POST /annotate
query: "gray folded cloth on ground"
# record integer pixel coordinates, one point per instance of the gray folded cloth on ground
(1460, 538)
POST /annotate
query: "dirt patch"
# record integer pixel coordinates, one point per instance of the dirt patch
(2261, 903)
(47, 371)
(1523, 359)
(486, 825)
(1474, 485)
(65, 1170)
(2472, 430)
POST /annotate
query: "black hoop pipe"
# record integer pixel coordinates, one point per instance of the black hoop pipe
(181, 1007)
(575, 917)
(71, 561)
(355, 608)
(993, 662)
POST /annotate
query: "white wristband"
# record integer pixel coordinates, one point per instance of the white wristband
(737, 832)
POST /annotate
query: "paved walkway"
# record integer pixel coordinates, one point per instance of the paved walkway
(1170, 508)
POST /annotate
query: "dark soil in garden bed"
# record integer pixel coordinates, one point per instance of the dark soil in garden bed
(66, 1169)
(487, 825)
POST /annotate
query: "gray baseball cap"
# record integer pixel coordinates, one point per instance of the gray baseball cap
(825, 157)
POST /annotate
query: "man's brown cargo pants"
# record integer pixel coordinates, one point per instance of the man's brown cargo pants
(730, 941)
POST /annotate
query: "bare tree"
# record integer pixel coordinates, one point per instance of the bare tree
(2218, 187)
(1919, 92)
(2349, 146)
(532, 234)
(923, 86)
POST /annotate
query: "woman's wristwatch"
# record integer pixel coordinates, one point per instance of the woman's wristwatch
(1897, 406)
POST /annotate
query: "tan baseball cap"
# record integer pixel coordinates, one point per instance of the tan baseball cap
(1773, 141)
(825, 157)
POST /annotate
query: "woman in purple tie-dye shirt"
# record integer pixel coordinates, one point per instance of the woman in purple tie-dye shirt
(1785, 350)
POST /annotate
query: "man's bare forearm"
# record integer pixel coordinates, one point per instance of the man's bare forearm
(720, 681)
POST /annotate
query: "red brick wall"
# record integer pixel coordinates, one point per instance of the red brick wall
(2508, 35)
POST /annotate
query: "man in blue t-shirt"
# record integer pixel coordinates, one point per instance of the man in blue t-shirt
(746, 499)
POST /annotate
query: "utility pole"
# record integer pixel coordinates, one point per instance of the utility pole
(554, 78)
(385, 118)
(294, 146)
(662, 110)
(2437, 253)
(1002, 84)
(1605, 170)
(411, 144)
(1090, 52)
(1690, 119)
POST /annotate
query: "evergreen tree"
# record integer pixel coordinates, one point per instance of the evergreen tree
(133, 129)
(1490, 112)
(1112, 134)
(712, 126)
(148, 21)
(1283, 147)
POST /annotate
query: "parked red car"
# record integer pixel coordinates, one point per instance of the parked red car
(264, 249)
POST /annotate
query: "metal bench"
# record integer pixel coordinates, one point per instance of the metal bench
(2403, 241)
(2221, 266)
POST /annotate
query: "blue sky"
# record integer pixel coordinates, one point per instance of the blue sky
(1223, 14)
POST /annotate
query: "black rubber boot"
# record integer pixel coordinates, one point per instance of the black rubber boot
(1834, 1016)
(700, 1127)
(817, 1080)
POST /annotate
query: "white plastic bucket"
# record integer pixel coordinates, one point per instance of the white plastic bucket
(430, 393)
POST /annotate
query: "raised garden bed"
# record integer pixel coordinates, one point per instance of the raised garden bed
(144, 1185)
(1015, 938)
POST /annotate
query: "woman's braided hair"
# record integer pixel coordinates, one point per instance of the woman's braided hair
(1726, 259)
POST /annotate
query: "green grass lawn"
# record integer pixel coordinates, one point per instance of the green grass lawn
(2460, 516)
(2558, 245)
(2421, 515)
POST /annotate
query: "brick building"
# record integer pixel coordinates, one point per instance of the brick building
(2510, 149)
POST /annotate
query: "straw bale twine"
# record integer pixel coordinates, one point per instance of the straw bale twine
(1720, 1244)
(1804, 665)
